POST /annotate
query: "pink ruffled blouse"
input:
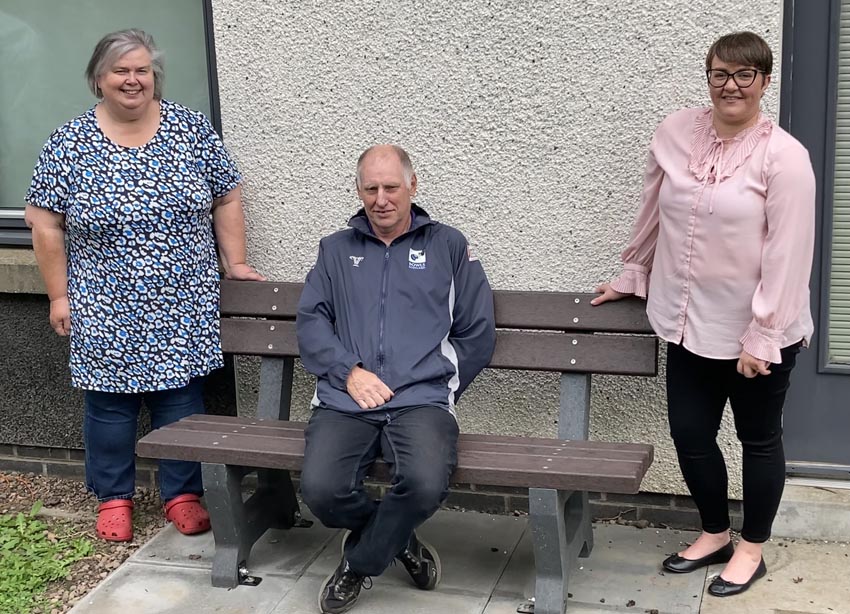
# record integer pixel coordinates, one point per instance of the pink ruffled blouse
(722, 245)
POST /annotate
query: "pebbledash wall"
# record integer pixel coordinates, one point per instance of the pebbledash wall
(528, 125)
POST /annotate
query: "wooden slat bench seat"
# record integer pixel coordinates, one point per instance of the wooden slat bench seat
(545, 331)
(487, 460)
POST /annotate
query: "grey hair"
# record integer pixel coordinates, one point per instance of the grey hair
(113, 46)
(406, 164)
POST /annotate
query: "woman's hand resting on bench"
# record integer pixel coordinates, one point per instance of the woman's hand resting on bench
(607, 294)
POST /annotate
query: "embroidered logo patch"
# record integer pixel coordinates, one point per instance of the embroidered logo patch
(416, 259)
(356, 260)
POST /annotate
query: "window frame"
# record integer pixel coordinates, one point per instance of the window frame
(827, 212)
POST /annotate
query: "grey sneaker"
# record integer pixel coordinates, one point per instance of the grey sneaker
(422, 563)
(342, 589)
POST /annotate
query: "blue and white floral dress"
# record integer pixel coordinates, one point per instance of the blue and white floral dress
(143, 280)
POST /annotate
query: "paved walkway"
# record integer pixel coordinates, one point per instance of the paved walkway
(487, 563)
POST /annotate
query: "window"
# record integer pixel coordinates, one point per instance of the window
(838, 324)
(45, 47)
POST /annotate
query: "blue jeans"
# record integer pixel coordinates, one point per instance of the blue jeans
(109, 432)
(420, 443)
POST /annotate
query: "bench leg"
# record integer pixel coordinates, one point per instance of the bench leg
(561, 533)
(276, 495)
(238, 524)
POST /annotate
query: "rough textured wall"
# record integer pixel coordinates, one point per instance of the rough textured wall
(38, 405)
(527, 122)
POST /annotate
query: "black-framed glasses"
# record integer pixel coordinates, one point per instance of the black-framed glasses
(745, 77)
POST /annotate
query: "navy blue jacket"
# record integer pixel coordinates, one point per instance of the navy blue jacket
(418, 313)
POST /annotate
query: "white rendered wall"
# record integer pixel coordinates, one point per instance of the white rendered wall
(527, 123)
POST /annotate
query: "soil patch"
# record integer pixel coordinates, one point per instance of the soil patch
(70, 510)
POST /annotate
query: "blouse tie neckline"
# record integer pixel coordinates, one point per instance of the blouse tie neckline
(718, 159)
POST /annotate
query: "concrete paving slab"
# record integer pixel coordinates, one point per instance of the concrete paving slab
(137, 588)
(170, 575)
(289, 552)
(517, 581)
(282, 552)
(474, 549)
(802, 578)
(383, 598)
(170, 547)
(814, 512)
(625, 567)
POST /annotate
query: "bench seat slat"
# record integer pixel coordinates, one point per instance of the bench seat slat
(293, 441)
(281, 428)
(552, 447)
(575, 470)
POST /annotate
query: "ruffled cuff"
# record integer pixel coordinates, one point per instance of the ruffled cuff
(632, 281)
(763, 343)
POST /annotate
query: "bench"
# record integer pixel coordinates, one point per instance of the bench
(538, 331)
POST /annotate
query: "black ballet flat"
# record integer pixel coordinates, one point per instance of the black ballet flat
(723, 588)
(679, 564)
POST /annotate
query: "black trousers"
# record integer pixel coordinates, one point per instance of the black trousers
(697, 391)
(421, 445)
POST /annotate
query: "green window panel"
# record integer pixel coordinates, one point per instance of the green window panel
(45, 46)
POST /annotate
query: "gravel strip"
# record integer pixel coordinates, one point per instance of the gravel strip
(70, 509)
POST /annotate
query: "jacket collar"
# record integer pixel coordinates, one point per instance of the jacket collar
(420, 218)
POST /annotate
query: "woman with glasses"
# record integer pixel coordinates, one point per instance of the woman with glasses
(722, 251)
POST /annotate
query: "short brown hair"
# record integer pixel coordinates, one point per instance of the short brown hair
(744, 48)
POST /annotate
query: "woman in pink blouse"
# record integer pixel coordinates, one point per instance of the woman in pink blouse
(722, 251)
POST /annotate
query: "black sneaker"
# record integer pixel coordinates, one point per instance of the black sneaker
(422, 563)
(341, 590)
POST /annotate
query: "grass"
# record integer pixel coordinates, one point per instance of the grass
(31, 557)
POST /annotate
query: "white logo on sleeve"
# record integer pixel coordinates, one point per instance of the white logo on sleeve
(356, 260)
(416, 259)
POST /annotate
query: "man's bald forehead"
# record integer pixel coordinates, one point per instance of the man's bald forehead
(386, 149)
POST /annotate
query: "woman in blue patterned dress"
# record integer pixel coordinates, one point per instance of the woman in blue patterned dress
(141, 188)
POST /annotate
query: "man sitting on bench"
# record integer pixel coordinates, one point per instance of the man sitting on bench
(395, 321)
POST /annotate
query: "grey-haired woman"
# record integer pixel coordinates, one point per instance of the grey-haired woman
(138, 186)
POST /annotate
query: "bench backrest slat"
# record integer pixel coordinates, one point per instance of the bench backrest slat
(526, 350)
(569, 353)
(522, 310)
(568, 350)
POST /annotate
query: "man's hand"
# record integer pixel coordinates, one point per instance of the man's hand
(243, 272)
(608, 294)
(60, 316)
(367, 389)
(750, 366)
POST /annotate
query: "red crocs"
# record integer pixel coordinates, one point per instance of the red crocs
(115, 520)
(187, 514)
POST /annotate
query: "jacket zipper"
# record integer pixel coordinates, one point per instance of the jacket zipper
(383, 312)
